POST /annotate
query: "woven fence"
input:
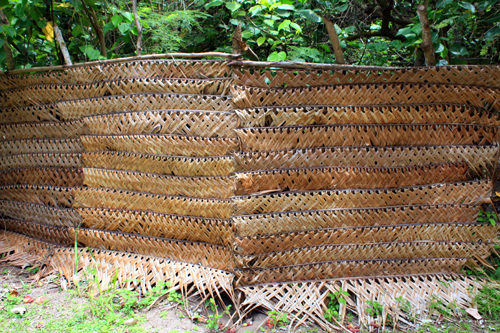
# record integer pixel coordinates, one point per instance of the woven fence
(276, 186)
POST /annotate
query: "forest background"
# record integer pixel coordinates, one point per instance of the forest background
(372, 32)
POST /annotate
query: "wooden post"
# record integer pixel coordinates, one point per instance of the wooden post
(62, 45)
(334, 38)
(427, 46)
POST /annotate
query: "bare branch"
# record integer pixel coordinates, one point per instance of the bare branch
(139, 27)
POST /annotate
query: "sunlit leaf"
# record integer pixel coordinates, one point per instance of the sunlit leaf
(49, 32)
(261, 40)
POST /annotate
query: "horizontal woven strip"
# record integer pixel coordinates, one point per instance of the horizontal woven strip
(169, 165)
(261, 224)
(396, 250)
(467, 192)
(478, 158)
(63, 160)
(162, 144)
(450, 232)
(185, 122)
(51, 93)
(53, 176)
(203, 254)
(366, 94)
(328, 178)
(378, 114)
(298, 137)
(200, 187)
(473, 75)
(29, 146)
(74, 110)
(308, 300)
(40, 213)
(121, 199)
(197, 69)
(64, 130)
(148, 223)
(132, 271)
(55, 234)
(348, 269)
(38, 194)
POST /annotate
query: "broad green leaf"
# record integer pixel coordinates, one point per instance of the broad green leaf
(214, 3)
(296, 27)
(342, 8)
(284, 25)
(124, 27)
(459, 50)
(286, 7)
(233, 6)
(234, 21)
(256, 10)
(108, 27)
(492, 33)
(439, 48)
(129, 17)
(116, 19)
(261, 40)
(269, 22)
(247, 34)
(310, 15)
(467, 6)
(77, 31)
(3, 3)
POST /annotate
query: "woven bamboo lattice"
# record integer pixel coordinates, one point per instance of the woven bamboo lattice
(38, 194)
(40, 213)
(30, 146)
(328, 178)
(323, 253)
(64, 130)
(474, 75)
(367, 94)
(168, 165)
(466, 192)
(274, 223)
(64, 177)
(71, 110)
(149, 223)
(49, 233)
(62, 160)
(47, 94)
(161, 144)
(451, 232)
(298, 137)
(478, 158)
(313, 296)
(184, 122)
(134, 271)
(200, 187)
(121, 199)
(349, 268)
(378, 114)
(179, 68)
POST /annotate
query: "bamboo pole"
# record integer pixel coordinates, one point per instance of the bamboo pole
(120, 60)
(334, 38)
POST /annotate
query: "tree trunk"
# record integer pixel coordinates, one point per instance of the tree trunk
(97, 29)
(9, 58)
(334, 38)
(62, 45)
(139, 27)
(427, 46)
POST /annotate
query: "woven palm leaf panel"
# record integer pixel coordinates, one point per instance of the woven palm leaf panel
(347, 176)
(153, 183)
(157, 169)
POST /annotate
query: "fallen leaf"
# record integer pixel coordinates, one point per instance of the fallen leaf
(498, 194)
(40, 300)
(28, 299)
(13, 292)
(40, 283)
(474, 313)
(130, 322)
(20, 310)
(2, 307)
(40, 325)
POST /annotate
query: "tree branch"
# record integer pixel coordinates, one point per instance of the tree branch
(376, 34)
(139, 27)
(334, 38)
(98, 31)
(64, 50)
(9, 58)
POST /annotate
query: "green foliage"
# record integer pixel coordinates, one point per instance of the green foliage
(213, 321)
(333, 307)
(277, 319)
(488, 301)
(487, 217)
(374, 308)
